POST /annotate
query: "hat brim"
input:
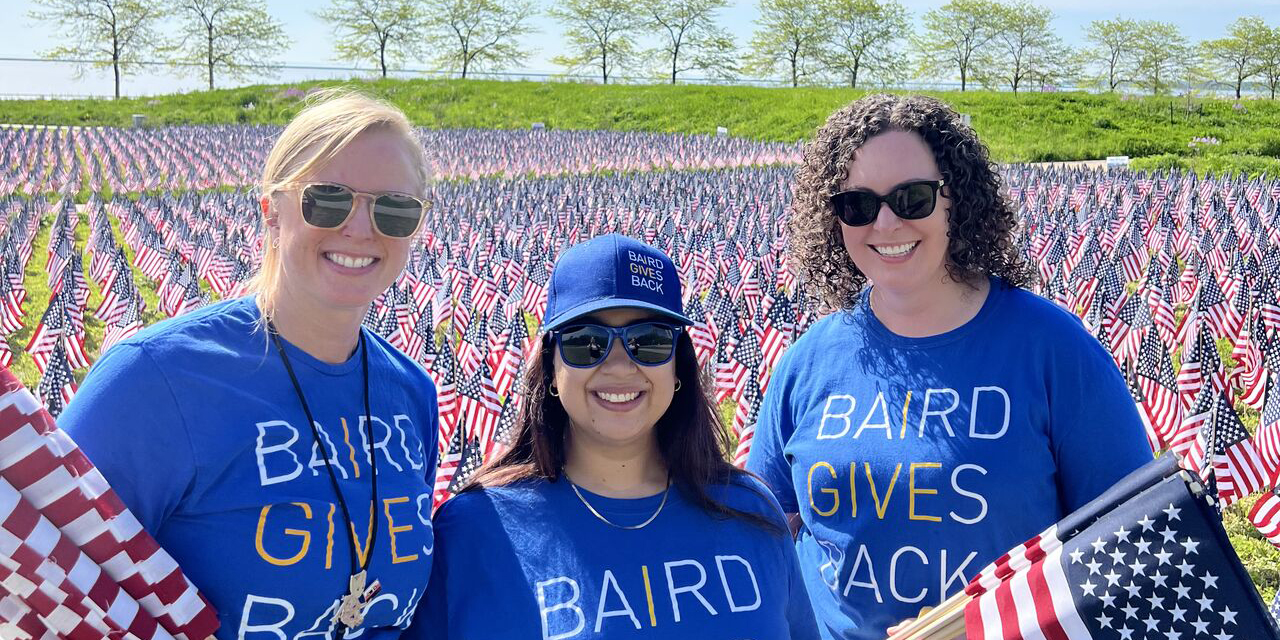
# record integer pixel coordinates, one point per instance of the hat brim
(567, 316)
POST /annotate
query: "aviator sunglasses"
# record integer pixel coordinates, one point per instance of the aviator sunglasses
(586, 345)
(910, 201)
(328, 205)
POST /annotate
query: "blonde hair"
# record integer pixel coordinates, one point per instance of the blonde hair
(331, 120)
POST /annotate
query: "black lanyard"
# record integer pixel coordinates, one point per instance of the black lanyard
(356, 565)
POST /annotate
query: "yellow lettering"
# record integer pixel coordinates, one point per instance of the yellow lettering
(853, 487)
(905, 406)
(648, 593)
(912, 491)
(328, 549)
(393, 529)
(306, 537)
(346, 437)
(881, 507)
(834, 493)
(364, 550)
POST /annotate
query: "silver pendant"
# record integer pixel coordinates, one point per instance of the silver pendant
(350, 612)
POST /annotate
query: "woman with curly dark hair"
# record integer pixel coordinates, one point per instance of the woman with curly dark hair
(942, 413)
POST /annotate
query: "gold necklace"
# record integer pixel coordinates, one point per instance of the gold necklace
(605, 520)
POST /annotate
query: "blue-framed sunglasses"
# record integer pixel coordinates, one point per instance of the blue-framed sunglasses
(587, 345)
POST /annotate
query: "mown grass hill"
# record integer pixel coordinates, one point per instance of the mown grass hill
(1026, 127)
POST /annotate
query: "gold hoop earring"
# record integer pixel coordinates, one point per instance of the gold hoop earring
(275, 241)
(677, 384)
(553, 391)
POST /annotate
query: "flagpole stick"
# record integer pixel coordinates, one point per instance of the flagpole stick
(934, 623)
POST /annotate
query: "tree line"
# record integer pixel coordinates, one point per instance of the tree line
(991, 43)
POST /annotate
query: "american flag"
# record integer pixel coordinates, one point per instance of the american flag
(1238, 470)
(1148, 559)
(79, 564)
(1159, 404)
(448, 467)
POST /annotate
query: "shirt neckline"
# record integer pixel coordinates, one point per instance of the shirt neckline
(996, 294)
(299, 357)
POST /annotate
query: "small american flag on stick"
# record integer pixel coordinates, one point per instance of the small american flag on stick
(74, 562)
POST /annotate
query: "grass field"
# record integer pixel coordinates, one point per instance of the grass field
(1028, 127)
(1031, 127)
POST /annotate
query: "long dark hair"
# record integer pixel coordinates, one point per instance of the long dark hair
(691, 437)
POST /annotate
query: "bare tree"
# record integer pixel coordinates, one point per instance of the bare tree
(790, 33)
(601, 34)
(1113, 49)
(1239, 55)
(690, 37)
(955, 35)
(385, 32)
(472, 34)
(864, 35)
(235, 36)
(107, 33)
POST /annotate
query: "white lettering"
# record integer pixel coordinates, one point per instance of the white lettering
(626, 610)
(728, 593)
(261, 451)
(826, 413)
(946, 581)
(415, 461)
(946, 423)
(424, 517)
(272, 628)
(570, 604)
(884, 422)
(973, 414)
(382, 444)
(674, 590)
(893, 575)
(317, 462)
(982, 512)
(871, 573)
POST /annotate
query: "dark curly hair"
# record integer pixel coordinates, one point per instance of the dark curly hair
(982, 222)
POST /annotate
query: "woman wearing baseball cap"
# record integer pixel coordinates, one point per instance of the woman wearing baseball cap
(614, 514)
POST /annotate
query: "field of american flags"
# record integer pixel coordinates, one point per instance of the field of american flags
(108, 230)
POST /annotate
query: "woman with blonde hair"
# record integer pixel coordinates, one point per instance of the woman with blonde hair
(281, 453)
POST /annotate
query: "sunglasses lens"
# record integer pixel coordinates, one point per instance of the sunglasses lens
(583, 346)
(397, 215)
(915, 201)
(651, 344)
(856, 208)
(326, 205)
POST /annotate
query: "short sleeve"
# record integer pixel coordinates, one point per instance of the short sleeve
(430, 431)
(126, 421)
(773, 428)
(1094, 427)
(800, 617)
(431, 619)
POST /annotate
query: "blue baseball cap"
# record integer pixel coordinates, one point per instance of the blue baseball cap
(610, 272)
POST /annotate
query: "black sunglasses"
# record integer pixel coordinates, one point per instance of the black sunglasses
(910, 201)
(328, 205)
(586, 345)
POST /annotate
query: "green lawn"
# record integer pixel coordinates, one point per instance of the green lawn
(1028, 127)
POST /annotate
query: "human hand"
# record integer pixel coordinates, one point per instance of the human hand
(902, 625)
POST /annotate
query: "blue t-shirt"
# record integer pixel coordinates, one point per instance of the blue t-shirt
(914, 462)
(196, 425)
(529, 561)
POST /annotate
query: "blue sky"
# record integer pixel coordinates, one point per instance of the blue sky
(311, 37)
